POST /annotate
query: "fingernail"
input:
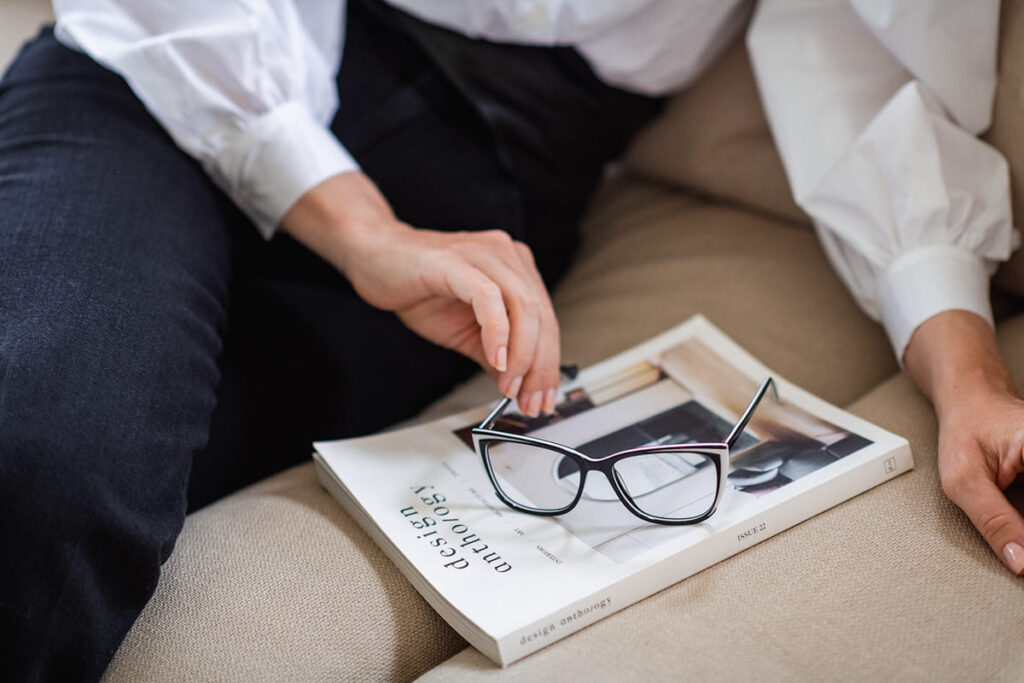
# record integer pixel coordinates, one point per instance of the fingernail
(501, 360)
(1013, 557)
(513, 387)
(533, 404)
(549, 401)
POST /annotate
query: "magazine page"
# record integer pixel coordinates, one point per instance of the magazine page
(507, 572)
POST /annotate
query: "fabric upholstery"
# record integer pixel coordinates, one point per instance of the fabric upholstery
(652, 257)
(277, 583)
(268, 584)
(20, 20)
(713, 139)
(1007, 131)
(894, 584)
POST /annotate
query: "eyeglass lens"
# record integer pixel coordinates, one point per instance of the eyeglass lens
(674, 485)
(533, 477)
(671, 485)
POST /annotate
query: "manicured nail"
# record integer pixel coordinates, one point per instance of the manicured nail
(549, 401)
(533, 405)
(1013, 557)
(513, 387)
(501, 359)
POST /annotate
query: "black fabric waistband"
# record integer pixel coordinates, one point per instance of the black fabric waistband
(556, 123)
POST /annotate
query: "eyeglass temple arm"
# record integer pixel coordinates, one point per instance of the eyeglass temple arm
(570, 371)
(494, 414)
(734, 435)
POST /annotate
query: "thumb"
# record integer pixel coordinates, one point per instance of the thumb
(992, 514)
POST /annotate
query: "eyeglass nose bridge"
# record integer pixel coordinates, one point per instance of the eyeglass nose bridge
(586, 464)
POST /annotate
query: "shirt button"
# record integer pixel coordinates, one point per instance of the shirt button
(537, 15)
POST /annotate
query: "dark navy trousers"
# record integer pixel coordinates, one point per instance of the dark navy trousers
(156, 353)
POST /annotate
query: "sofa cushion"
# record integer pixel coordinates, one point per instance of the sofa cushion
(892, 584)
(1007, 131)
(276, 582)
(21, 20)
(713, 139)
(652, 257)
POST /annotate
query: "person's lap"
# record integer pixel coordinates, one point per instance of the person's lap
(123, 276)
(114, 271)
(305, 357)
(156, 354)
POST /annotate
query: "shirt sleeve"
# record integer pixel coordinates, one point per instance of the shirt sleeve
(875, 116)
(247, 87)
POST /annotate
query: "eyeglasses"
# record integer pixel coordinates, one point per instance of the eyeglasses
(673, 483)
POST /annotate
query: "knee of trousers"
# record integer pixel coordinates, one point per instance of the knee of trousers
(93, 479)
(85, 528)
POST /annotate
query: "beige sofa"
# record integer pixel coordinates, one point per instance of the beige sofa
(277, 583)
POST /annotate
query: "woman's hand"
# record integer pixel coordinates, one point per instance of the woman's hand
(478, 293)
(954, 359)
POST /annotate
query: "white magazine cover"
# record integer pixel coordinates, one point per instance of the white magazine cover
(512, 582)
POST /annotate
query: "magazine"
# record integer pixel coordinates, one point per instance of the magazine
(511, 582)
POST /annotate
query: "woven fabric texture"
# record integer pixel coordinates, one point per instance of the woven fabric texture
(1007, 131)
(713, 139)
(892, 585)
(277, 583)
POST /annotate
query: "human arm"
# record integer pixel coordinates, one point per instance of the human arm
(478, 293)
(245, 87)
(954, 359)
(248, 88)
(875, 118)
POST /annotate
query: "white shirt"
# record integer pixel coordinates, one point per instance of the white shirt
(874, 106)
(874, 115)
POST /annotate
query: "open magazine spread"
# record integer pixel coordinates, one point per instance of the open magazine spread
(511, 582)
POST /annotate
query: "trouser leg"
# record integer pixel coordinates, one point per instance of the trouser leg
(115, 263)
(114, 267)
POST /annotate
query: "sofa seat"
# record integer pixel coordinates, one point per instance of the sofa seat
(277, 583)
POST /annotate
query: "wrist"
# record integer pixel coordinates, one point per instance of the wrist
(341, 218)
(953, 357)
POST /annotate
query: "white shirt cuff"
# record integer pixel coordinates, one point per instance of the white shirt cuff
(925, 282)
(279, 157)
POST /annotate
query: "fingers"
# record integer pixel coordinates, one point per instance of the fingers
(541, 384)
(524, 314)
(534, 345)
(974, 490)
(519, 333)
(472, 286)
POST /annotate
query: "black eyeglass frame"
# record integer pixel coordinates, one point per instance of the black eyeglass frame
(717, 452)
